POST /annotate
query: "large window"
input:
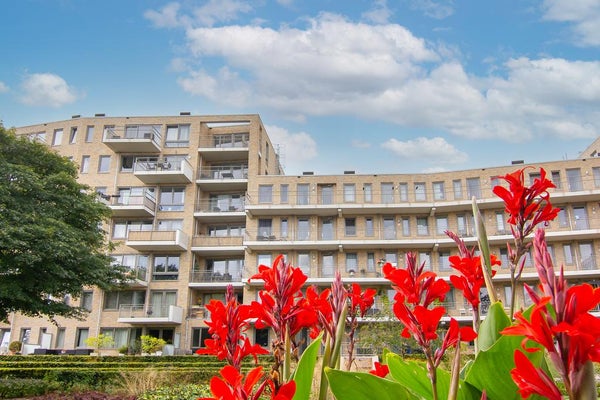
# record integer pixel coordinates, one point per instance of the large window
(580, 217)
(403, 188)
(368, 192)
(113, 300)
(165, 268)
(444, 260)
(304, 263)
(327, 265)
(57, 138)
(172, 198)
(265, 193)
(302, 195)
(230, 268)
(265, 228)
(387, 193)
(104, 164)
(389, 228)
(349, 193)
(81, 337)
(89, 134)
(438, 191)
(422, 227)
(178, 136)
(457, 187)
(226, 230)
(350, 226)
(473, 188)
(441, 224)
(405, 226)
(226, 202)
(86, 300)
(136, 264)
(586, 252)
(326, 194)
(199, 335)
(283, 194)
(122, 228)
(327, 228)
(369, 228)
(420, 192)
(574, 179)
(351, 262)
(73, 136)
(303, 229)
(85, 164)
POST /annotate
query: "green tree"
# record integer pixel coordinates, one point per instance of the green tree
(51, 238)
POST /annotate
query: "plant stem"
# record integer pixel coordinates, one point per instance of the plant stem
(287, 357)
(324, 385)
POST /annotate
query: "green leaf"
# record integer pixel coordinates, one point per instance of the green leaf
(305, 370)
(491, 369)
(413, 375)
(364, 386)
(495, 321)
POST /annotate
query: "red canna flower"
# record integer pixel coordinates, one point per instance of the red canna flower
(380, 370)
(471, 277)
(453, 335)
(227, 326)
(527, 206)
(531, 380)
(361, 300)
(537, 330)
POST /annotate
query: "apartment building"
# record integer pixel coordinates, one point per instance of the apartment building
(200, 201)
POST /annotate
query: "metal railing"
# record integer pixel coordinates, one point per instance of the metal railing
(234, 204)
(234, 171)
(150, 132)
(212, 276)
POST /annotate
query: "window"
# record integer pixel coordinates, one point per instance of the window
(568, 254)
(264, 259)
(449, 300)
(504, 257)
(199, 335)
(425, 259)
(304, 263)
(351, 262)
(170, 224)
(283, 194)
(422, 228)
(405, 226)
(87, 298)
(326, 194)
(580, 217)
(586, 252)
(441, 224)
(73, 136)
(160, 300)
(261, 337)
(392, 258)
(327, 228)
(533, 176)
(25, 335)
(494, 181)
(438, 191)
(57, 138)
(403, 189)
(122, 228)
(371, 262)
(113, 300)
(283, 228)
(226, 230)
(303, 229)
(104, 164)
(389, 228)
(556, 179)
(81, 336)
(37, 137)
(507, 296)
(444, 260)
(177, 136)
(327, 265)
(574, 179)
(171, 198)
(264, 228)
(166, 268)
(85, 164)
(420, 194)
(89, 134)
(120, 336)
(596, 173)
(369, 228)
(302, 194)
(563, 219)
(230, 267)
(500, 224)
(387, 193)
(350, 226)
(473, 188)
(349, 193)
(368, 192)
(457, 187)
(60, 338)
(461, 225)
(127, 163)
(137, 264)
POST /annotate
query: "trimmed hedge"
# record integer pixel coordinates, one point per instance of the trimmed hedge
(12, 388)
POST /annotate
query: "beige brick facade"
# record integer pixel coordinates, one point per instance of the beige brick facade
(199, 201)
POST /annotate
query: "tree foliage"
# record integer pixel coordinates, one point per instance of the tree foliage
(51, 240)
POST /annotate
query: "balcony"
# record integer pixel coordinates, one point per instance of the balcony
(175, 240)
(143, 315)
(217, 245)
(223, 177)
(133, 139)
(167, 170)
(224, 147)
(134, 206)
(215, 277)
(221, 209)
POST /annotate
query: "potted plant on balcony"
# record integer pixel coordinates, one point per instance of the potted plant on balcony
(15, 347)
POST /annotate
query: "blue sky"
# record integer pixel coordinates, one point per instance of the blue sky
(382, 86)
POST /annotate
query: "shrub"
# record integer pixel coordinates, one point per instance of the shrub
(177, 392)
(15, 387)
(15, 347)
(151, 344)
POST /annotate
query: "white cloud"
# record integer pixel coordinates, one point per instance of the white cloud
(379, 14)
(428, 150)
(435, 9)
(296, 148)
(220, 11)
(46, 90)
(165, 18)
(583, 14)
(359, 144)
(3, 87)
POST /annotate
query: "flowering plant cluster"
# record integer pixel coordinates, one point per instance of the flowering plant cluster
(514, 356)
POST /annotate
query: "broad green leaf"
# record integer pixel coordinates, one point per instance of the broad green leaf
(413, 375)
(494, 322)
(305, 370)
(491, 369)
(364, 386)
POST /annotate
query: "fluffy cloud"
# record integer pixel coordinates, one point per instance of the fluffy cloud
(583, 14)
(165, 18)
(46, 90)
(435, 149)
(3, 87)
(210, 13)
(295, 148)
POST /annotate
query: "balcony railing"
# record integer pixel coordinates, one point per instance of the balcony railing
(224, 172)
(225, 141)
(236, 204)
(139, 138)
(163, 170)
(175, 240)
(149, 314)
(216, 277)
(134, 205)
